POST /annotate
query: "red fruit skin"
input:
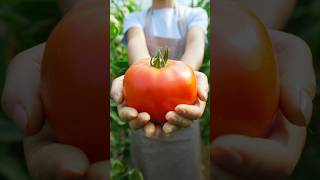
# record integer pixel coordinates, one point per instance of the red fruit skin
(158, 91)
(245, 75)
(74, 80)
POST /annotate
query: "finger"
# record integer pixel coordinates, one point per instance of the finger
(202, 85)
(297, 89)
(158, 131)
(117, 89)
(49, 160)
(22, 104)
(98, 171)
(178, 120)
(127, 113)
(169, 128)
(142, 119)
(191, 111)
(149, 129)
(257, 157)
(243, 155)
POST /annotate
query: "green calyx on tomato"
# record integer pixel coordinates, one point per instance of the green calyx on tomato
(160, 59)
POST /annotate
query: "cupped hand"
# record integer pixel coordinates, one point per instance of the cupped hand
(182, 117)
(46, 159)
(135, 119)
(184, 114)
(274, 157)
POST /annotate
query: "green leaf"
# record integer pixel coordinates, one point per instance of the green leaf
(114, 116)
(135, 174)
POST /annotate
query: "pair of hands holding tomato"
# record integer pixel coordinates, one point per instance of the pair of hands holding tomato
(181, 117)
(274, 157)
(46, 159)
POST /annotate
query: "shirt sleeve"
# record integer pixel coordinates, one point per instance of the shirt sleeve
(198, 17)
(132, 20)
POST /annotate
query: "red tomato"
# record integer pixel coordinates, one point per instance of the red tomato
(245, 78)
(159, 90)
(74, 80)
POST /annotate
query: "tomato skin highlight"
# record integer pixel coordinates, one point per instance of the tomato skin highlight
(74, 80)
(245, 76)
(158, 91)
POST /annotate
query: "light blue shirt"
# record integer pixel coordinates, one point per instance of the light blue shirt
(165, 21)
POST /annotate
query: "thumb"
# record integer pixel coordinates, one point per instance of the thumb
(202, 85)
(116, 89)
(297, 77)
(296, 103)
(49, 160)
(21, 97)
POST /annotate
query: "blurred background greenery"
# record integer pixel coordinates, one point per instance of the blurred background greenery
(25, 23)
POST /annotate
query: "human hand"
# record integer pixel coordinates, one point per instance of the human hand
(135, 119)
(46, 159)
(183, 115)
(241, 157)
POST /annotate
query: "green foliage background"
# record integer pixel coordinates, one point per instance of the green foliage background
(25, 23)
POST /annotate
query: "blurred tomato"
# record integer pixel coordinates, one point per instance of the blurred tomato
(74, 80)
(245, 78)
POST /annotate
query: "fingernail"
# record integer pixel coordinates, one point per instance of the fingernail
(20, 117)
(305, 106)
(225, 157)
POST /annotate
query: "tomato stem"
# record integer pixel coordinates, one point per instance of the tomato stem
(160, 59)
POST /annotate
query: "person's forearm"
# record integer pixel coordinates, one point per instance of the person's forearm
(273, 13)
(194, 51)
(137, 46)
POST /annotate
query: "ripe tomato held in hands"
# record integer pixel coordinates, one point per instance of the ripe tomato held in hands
(245, 78)
(74, 80)
(158, 86)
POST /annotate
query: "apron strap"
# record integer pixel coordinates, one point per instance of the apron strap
(147, 24)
